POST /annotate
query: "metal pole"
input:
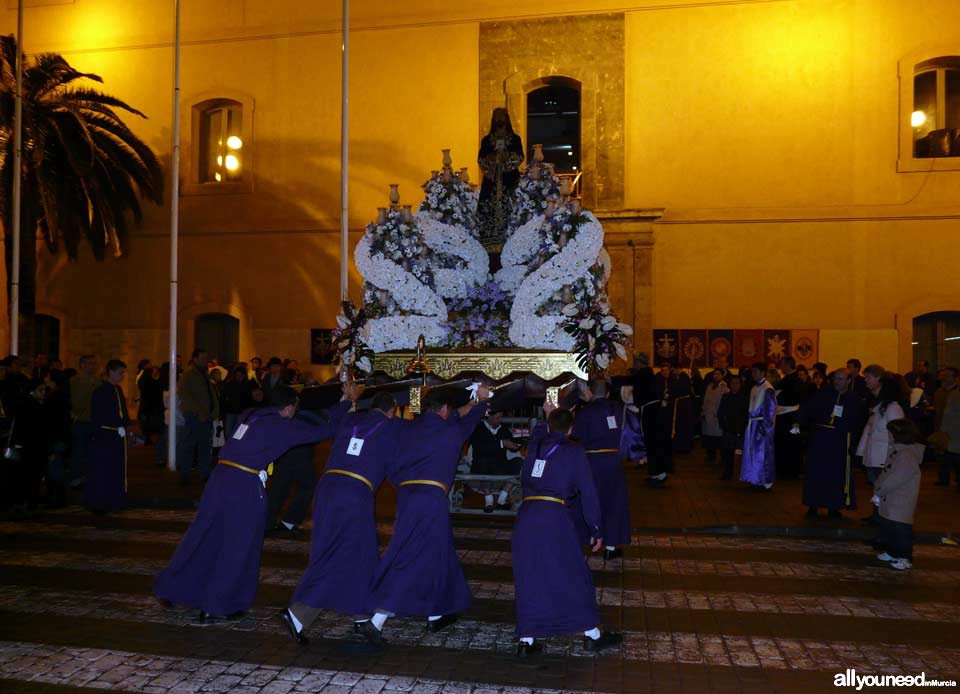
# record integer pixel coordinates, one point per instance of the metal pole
(344, 162)
(17, 184)
(174, 239)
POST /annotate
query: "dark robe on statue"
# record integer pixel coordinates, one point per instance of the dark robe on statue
(831, 418)
(216, 566)
(420, 574)
(106, 486)
(499, 158)
(597, 428)
(553, 583)
(343, 545)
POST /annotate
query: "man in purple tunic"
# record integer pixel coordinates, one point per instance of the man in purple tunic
(598, 429)
(216, 566)
(831, 415)
(553, 584)
(420, 573)
(343, 547)
(106, 486)
(757, 466)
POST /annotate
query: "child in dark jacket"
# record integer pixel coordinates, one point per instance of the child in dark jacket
(896, 491)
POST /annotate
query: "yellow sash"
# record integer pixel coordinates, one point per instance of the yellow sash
(544, 498)
(432, 483)
(338, 471)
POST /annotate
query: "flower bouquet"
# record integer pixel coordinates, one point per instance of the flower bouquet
(352, 352)
(598, 336)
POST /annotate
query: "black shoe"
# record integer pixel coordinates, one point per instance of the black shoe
(869, 520)
(287, 621)
(834, 514)
(202, 620)
(525, 650)
(811, 513)
(373, 635)
(726, 476)
(655, 482)
(488, 509)
(606, 640)
(611, 554)
(442, 623)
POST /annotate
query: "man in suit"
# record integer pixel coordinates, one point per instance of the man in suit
(272, 379)
(200, 405)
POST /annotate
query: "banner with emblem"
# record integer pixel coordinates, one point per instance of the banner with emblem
(666, 347)
(720, 348)
(805, 346)
(776, 345)
(748, 347)
(693, 348)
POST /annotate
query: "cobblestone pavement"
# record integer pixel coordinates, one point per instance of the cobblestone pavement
(700, 612)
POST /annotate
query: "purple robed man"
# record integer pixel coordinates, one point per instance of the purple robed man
(216, 566)
(106, 486)
(758, 466)
(343, 547)
(553, 583)
(420, 573)
(832, 415)
(598, 429)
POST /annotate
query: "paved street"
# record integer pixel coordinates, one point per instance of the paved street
(723, 590)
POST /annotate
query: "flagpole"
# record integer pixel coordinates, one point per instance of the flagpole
(17, 183)
(344, 160)
(174, 240)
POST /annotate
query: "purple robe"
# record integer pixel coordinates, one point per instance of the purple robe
(829, 479)
(632, 446)
(420, 574)
(597, 427)
(343, 544)
(216, 566)
(758, 459)
(553, 584)
(106, 485)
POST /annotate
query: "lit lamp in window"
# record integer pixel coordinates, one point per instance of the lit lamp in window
(918, 118)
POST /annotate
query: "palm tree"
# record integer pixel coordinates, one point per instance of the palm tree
(84, 172)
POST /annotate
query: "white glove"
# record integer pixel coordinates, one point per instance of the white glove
(474, 389)
(875, 500)
(795, 429)
(263, 478)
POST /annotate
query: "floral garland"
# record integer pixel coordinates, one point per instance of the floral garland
(579, 254)
(399, 296)
(518, 250)
(598, 336)
(352, 351)
(445, 241)
(480, 319)
(452, 201)
(536, 188)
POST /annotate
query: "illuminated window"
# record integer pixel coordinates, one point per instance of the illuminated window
(936, 338)
(221, 142)
(553, 120)
(935, 117)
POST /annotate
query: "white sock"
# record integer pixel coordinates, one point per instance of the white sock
(610, 548)
(768, 485)
(527, 640)
(661, 476)
(502, 499)
(488, 500)
(593, 634)
(433, 618)
(378, 620)
(296, 622)
(288, 526)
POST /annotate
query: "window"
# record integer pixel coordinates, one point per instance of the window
(46, 335)
(221, 142)
(936, 338)
(553, 120)
(935, 117)
(219, 334)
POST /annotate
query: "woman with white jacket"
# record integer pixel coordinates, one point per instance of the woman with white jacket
(875, 442)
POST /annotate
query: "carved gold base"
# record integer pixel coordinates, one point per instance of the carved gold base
(494, 363)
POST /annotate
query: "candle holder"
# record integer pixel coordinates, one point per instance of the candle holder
(394, 194)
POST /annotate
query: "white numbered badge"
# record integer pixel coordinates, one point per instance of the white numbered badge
(838, 410)
(538, 466)
(355, 446)
(611, 422)
(241, 430)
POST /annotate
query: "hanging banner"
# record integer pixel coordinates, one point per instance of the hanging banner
(804, 346)
(776, 345)
(666, 347)
(720, 348)
(748, 347)
(693, 348)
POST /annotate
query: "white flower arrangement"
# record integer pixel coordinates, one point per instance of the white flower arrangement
(599, 337)
(519, 249)
(459, 243)
(536, 187)
(451, 200)
(353, 353)
(574, 262)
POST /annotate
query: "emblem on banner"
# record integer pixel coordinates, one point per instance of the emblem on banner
(804, 347)
(666, 347)
(776, 347)
(693, 349)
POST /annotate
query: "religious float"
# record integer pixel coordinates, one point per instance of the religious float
(527, 313)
